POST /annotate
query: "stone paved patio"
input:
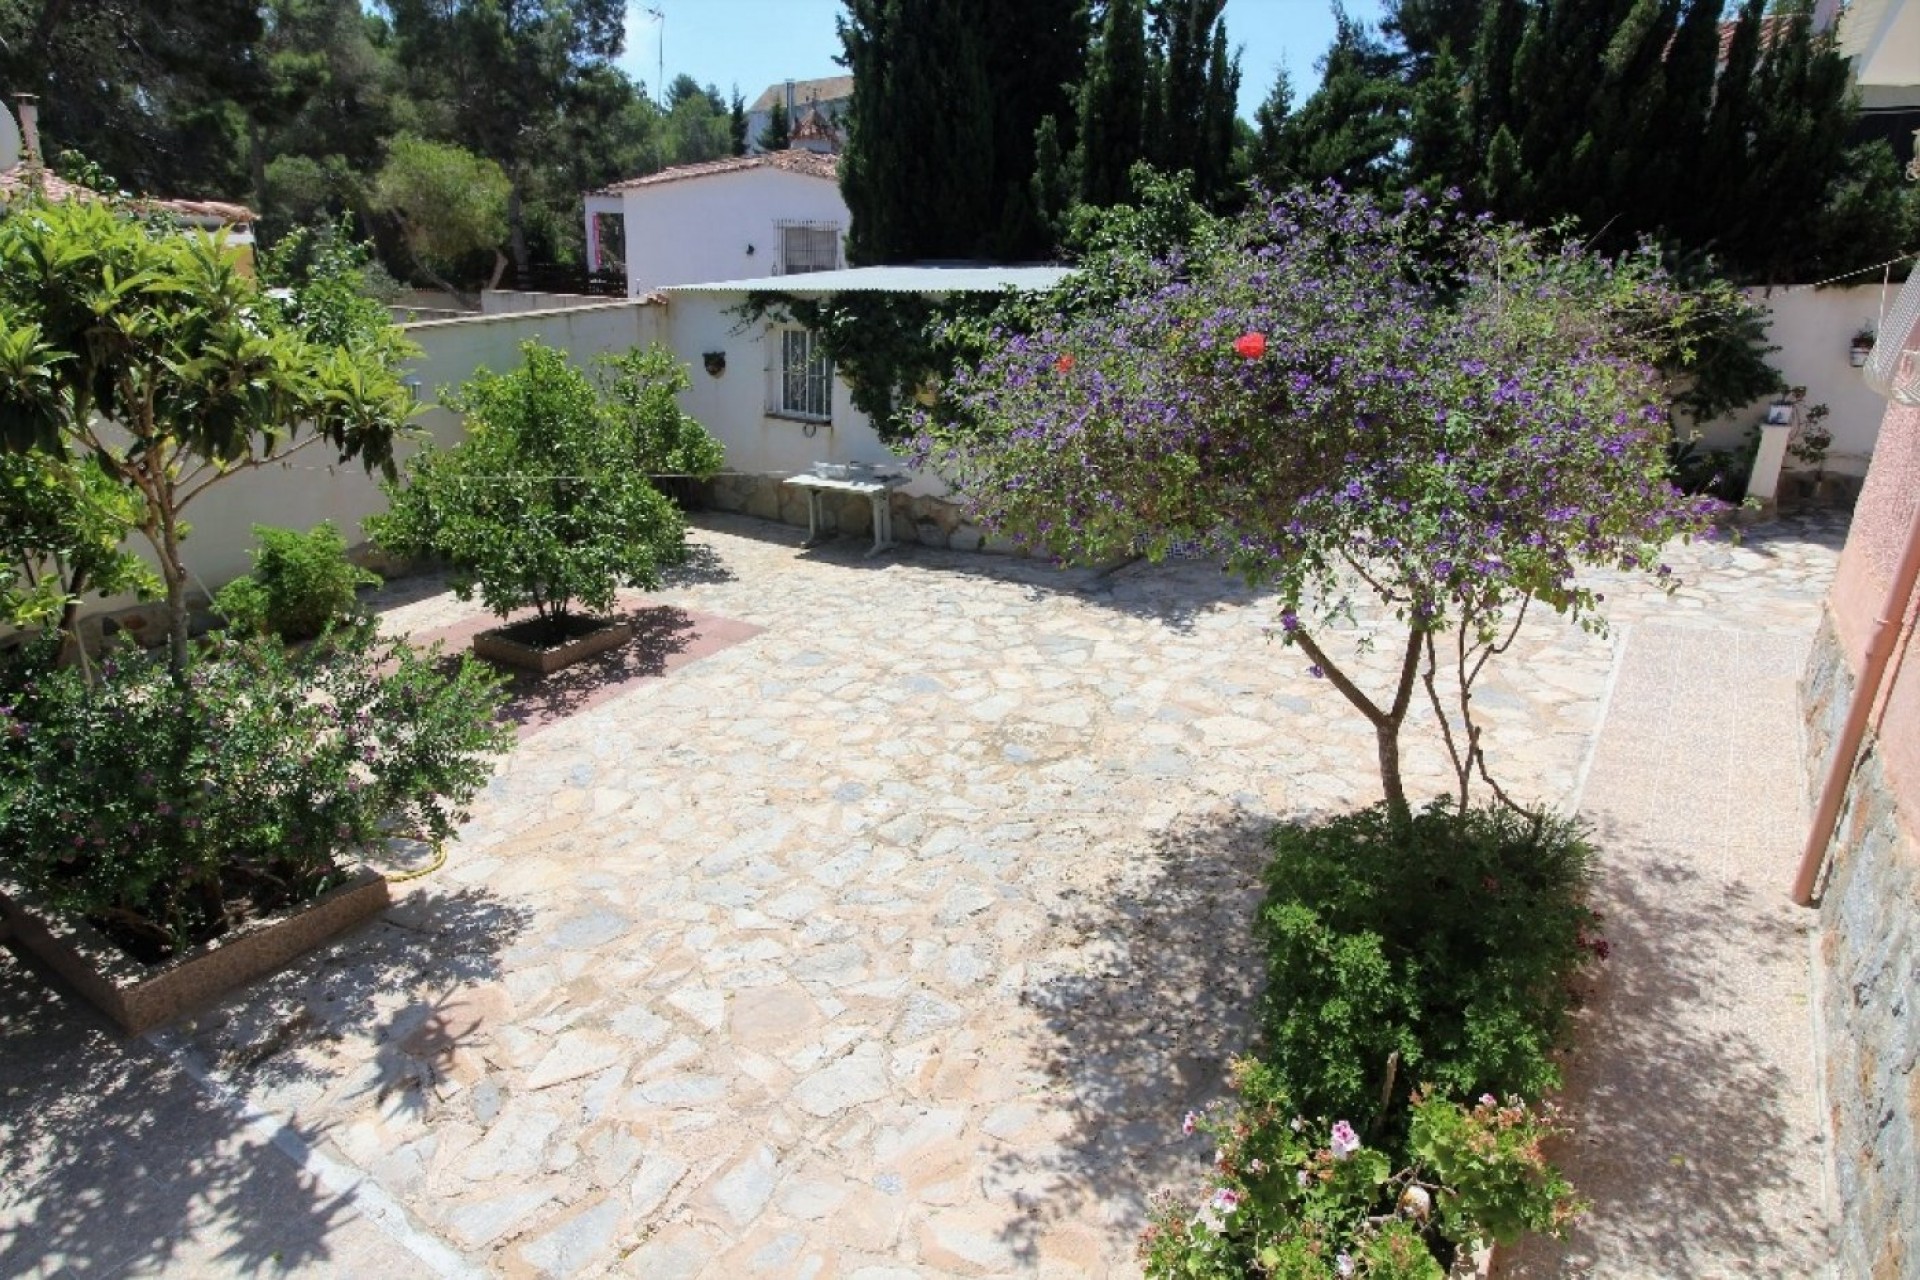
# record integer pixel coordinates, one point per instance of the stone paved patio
(891, 940)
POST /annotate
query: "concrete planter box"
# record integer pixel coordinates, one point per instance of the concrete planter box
(513, 647)
(140, 996)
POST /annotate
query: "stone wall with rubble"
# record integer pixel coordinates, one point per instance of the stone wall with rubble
(929, 521)
(1868, 985)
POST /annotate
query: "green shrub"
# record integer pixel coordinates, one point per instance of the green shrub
(301, 584)
(1449, 943)
(168, 810)
(542, 504)
(1295, 1199)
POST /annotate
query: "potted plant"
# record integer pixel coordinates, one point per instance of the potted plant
(541, 509)
(1861, 347)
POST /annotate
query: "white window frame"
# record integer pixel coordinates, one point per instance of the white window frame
(792, 264)
(801, 376)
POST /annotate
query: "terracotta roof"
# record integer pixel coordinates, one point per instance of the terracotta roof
(1772, 27)
(55, 187)
(825, 89)
(809, 164)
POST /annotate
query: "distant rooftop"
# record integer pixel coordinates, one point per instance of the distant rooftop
(825, 89)
(810, 164)
(971, 278)
(51, 185)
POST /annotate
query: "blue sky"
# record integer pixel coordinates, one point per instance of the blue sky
(754, 43)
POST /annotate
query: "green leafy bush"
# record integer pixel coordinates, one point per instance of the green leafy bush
(1296, 1199)
(301, 584)
(643, 389)
(1439, 951)
(168, 810)
(541, 505)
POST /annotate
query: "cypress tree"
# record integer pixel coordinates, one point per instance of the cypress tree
(778, 135)
(1440, 150)
(948, 96)
(1112, 106)
(737, 123)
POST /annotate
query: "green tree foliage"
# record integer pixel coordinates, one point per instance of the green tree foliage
(109, 318)
(737, 123)
(450, 203)
(155, 91)
(1112, 108)
(541, 505)
(63, 521)
(301, 584)
(1348, 130)
(778, 134)
(948, 99)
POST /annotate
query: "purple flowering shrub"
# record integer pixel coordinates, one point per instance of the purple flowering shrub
(1448, 415)
(1295, 1199)
(168, 811)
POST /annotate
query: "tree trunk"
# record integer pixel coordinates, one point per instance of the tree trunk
(1386, 736)
(517, 231)
(179, 638)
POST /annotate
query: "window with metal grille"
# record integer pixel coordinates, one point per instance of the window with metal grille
(806, 377)
(808, 246)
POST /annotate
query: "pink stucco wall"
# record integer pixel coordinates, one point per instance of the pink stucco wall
(1881, 521)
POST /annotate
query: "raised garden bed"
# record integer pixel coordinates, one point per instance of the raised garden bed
(537, 645)
(141, 996)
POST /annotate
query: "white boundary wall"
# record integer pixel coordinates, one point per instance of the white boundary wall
(1812, 328)
(307, 489)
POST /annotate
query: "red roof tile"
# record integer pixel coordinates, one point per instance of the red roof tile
(54, 187)
(811, 164)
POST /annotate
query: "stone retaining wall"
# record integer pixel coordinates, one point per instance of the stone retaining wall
(931, 522)
(1867, 980)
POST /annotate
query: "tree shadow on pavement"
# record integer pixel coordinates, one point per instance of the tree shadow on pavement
(115, 1158)
(1142, 1032)
(1684, 1144)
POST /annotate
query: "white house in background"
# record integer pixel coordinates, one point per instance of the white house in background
(767, 390)
(777, 213)
(829, 97)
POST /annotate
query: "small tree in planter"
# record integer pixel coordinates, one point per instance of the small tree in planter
(542, 505)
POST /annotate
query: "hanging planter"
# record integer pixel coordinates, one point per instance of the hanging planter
(1860, 348)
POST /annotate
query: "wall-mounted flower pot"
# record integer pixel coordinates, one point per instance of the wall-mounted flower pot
(531, 646)
(141, 996)
(1857, 354)
(715, 361)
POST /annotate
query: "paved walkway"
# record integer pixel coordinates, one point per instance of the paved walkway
(893, 939)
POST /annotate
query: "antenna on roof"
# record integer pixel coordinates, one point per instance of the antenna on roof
(659, 15)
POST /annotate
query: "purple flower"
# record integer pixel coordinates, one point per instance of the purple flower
(1343, 1263)
(1187, 1124)
(1317, 671)
(1225, 1200)
(1344, 1141)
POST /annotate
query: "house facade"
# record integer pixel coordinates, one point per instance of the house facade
(829, 98)
(1861, 699)
(772, 214)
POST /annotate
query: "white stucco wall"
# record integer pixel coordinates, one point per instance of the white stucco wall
(1812, 328)
(698, 229)
(308, 489)
(733, 406)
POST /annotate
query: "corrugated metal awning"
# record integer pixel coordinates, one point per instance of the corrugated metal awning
(963, 279)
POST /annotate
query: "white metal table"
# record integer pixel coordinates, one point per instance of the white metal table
(876, 489)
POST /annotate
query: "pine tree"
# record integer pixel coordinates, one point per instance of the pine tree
(1349, 130)
(1440, 150)
(1270, 159)
(778, 135)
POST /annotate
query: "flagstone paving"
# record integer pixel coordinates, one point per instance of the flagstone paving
(892, 939)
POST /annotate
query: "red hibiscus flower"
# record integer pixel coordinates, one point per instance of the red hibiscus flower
(1251, 345)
